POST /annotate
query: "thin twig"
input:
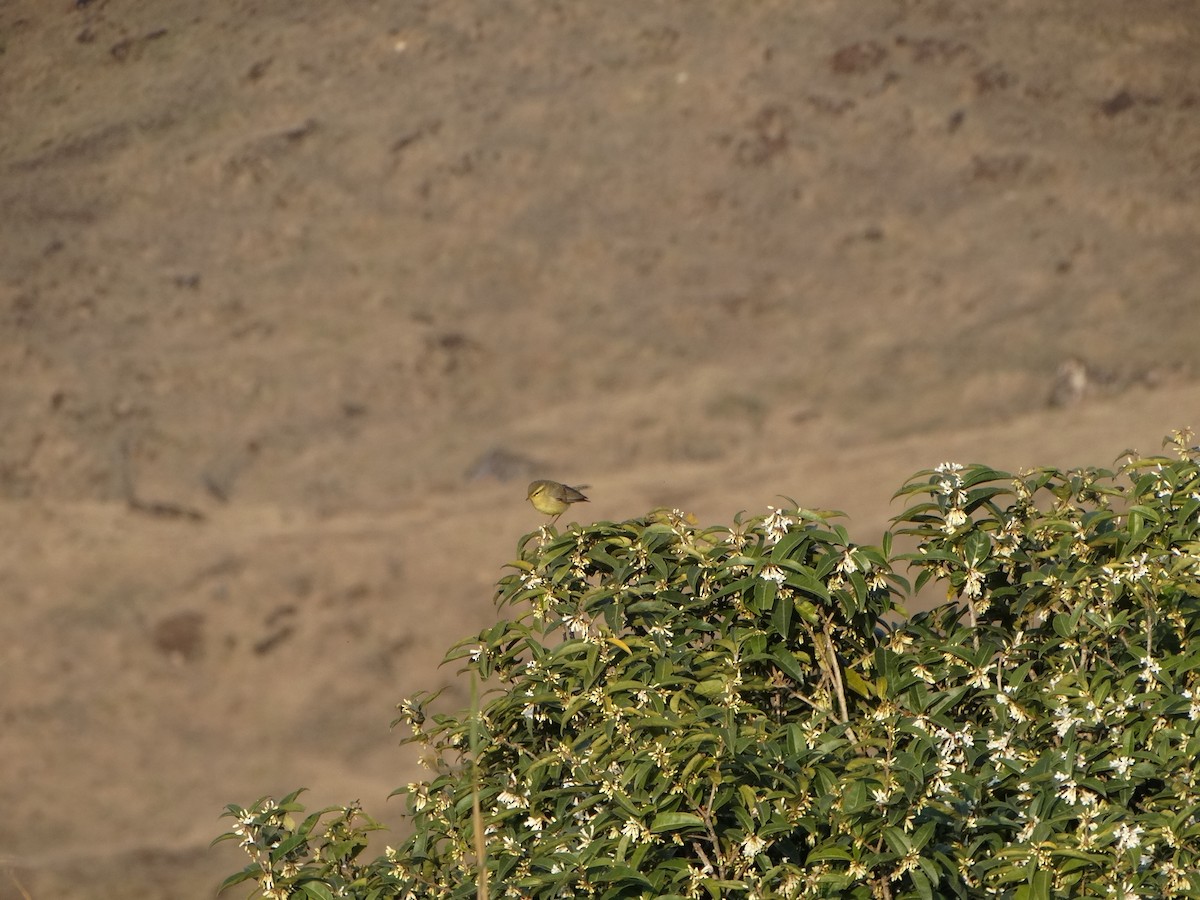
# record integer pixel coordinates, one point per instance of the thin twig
(706, 815)
(836, 674)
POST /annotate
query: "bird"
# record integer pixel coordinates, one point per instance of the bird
(553, 498)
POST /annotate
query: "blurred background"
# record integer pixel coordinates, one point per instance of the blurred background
(296, 297)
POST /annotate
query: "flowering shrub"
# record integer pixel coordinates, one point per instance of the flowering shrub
(736, 712)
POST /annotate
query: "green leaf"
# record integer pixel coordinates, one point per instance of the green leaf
(976, 548)
(316, 890)
(921, 884)
(976, 474)
(610, 873)
(791, 545)
(858, 684)
(1036, 888)
(1062, 625)
(806, 583)
(246, 874)
(286, 846)
(790, 664)
(764, 595)
(829, 851)
(781, 616)
(675, 821)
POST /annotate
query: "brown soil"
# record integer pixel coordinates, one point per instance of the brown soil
(295, 297)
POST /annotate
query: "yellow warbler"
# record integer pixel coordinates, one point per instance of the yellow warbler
(553, 498)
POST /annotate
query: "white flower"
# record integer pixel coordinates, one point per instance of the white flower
(973, 586)
(1124, 890)
(772, 573)
(1122, 765)
(1026, 831)
(979, 679)
(1138, 568)
(1000, 744)
(1066, 721)
(1194, 710)
(1128, 836)
(955, 519)
(420, 794)
(512, 801)
(576, 625)
(776, 525)
(636, 830)
(752, 846)
(1068, 790)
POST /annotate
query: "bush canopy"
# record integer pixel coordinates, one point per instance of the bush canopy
(745, 711)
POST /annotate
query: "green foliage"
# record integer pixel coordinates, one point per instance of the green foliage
(725, 712)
